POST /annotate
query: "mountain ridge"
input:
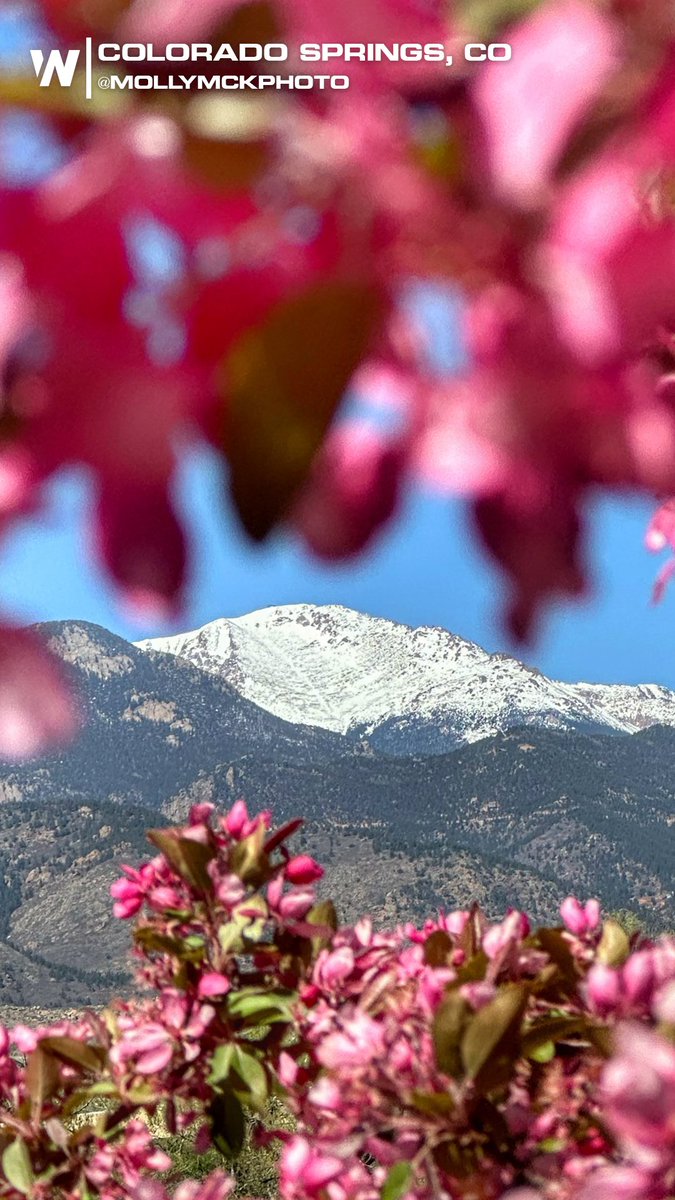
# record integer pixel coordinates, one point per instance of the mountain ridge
(402, 688)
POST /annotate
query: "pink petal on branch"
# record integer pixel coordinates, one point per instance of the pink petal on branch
(142, 545)
(352, 492)
(37, 708)
(562, 57)
(533, 530)
(305, 1169)
(638, 1087)
(303, 869)
(603, 988)
(659, 535)
(213, 984)
(661, 531)
(237, 819)
(609, 263)
(662, 580)
(574, 916)
(620, 1183)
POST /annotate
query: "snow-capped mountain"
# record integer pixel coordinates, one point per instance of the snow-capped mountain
(405, 690)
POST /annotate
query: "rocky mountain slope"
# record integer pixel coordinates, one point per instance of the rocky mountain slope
(407, 690)
(524, 815)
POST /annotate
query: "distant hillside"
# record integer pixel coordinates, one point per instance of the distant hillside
(525, 815)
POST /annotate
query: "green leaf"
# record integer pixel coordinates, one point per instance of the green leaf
(449, 1024)
(151, 939)
(325, 917)
(221, 1063)
(281, 385)
(250, 1074)
(491, 1042)
(557, 947)
(474, 969)
(552, 1145)
(550, 1031)
(614, 946)
(253, 914)
(248, 859)
(230, 936)
(398, 1181)
(435, 1104)
(104, 1088)
(543, 1053)
(17, 1167)
(601, 1037)
(484, 19)
(261, 1008)
(228, 1127)
(189, 859)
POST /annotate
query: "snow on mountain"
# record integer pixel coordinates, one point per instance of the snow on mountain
(406, 690)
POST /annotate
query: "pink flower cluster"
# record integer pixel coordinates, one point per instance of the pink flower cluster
(43, 1154)
(223, 935)
(466, 1059)
(470, 1059)
(183, 276)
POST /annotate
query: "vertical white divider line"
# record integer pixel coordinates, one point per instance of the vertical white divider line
(88, 69)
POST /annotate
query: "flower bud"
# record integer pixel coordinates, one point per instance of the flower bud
(638, 978)
(213, 984)
(603, 988)
(303, 869)
(296, 905)
(237, 819)
(574, 916)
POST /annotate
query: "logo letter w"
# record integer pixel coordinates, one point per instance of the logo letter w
(63, 68)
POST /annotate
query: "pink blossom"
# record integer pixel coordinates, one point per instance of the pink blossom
(147, 1049)
(499, 938)
(230, 890)
(579, 919)
(295, 905)
(664, 1004)
(306, 1170)
(562, 55)
(359, 1042)
(200, 813)
(621, 1183)
(303, 870)
(213, 984)
(638, 978)
(37, 708)
(639, 1088)
(351, 493)
(603, 986)
(216, 1186)
(333, 967)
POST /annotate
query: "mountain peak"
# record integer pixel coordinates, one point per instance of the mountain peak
(405, 689)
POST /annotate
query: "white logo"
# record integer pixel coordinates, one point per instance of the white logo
(63, 67)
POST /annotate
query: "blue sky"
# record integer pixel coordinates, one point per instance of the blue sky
(425, 570)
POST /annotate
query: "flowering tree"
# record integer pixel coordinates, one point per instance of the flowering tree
(465, 1059)
(539, 187)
